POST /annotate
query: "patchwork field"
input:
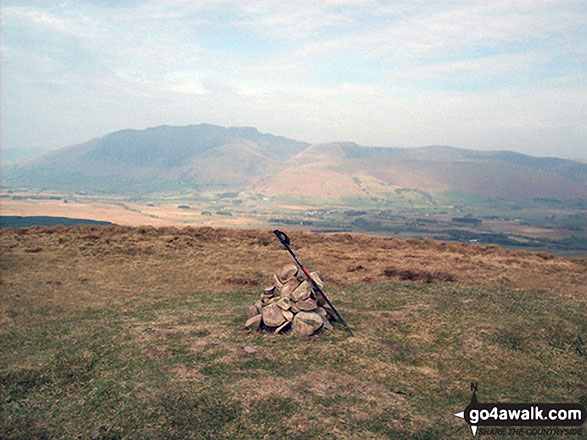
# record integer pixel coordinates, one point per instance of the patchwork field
(539, 225)
(121, 212)
(123, 332)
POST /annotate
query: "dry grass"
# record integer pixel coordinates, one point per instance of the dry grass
(122, 332)
(227, 259)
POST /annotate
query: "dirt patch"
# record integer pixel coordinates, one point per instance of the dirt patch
(419, 275)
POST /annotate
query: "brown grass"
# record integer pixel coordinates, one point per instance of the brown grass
(228, 259)
(419, 275)
(151, 320)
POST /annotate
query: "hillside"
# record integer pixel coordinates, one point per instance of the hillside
(118, 332)
(200, 157)
(346, 169)
(160, 157)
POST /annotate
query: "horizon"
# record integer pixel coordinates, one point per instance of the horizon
(38, 152)
(499, 77)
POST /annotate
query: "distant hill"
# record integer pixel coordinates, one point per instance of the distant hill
(347, 169)
(15, 155)
(162, 156)
(193, 157)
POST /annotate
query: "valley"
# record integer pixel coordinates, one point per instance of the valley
(238, 177)
(536, 225)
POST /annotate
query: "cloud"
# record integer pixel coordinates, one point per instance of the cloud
(386, 73)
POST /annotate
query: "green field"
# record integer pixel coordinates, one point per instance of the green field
(10, 221)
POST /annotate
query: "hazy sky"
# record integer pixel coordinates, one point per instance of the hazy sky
(485, 75)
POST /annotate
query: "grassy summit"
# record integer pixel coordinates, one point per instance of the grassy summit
(119, 332)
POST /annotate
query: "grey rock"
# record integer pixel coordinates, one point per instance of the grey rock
(254, 322)
(306, 323)
(273, 300)
(272, 316)
(287, 315)
(286, 272)
(303, 291)
(282, 327)
(300, 328)
(284, 303)
(324, 314)
(301, 276)
(252, 311)
(249, 350)
(289, 287)
(316, 278)
(327, 324)
(307, 305)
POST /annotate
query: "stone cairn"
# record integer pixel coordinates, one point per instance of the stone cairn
(291, 302)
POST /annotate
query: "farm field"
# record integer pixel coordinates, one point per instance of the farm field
(538, 225)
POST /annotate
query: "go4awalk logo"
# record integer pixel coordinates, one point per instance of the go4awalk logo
(515, 418)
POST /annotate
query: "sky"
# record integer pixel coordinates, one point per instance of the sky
(488, 75)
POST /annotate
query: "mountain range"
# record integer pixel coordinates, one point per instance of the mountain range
(207, 156)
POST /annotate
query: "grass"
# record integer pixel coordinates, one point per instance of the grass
(138, 333)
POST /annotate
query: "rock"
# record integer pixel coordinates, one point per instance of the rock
(300, 328)
(254, 322)
(307, 305)
(327, 324)
(312, 318)
(320, 299)
(291, 301)
(316, 278)
(286, 272)
(284, 303)
(289, 287)
(282, 326)
(272, 315)
(287, 315)
(301, 276)
(288, 319)
(302, 292)
(324, 314)
(252, 311)
(329, 311)
(306, 323)
(249, 350)
(273, 300)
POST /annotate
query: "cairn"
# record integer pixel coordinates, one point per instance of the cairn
(290, 303)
